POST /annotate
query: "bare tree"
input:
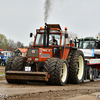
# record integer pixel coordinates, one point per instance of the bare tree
(11, 45)
(72, 35)
(19, 45)
(31, 44)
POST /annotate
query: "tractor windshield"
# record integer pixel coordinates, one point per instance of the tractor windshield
(87, 44)
(39, 39)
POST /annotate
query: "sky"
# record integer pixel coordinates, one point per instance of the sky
(18, 18)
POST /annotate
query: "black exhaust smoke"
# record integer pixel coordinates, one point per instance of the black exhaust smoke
(47, 7)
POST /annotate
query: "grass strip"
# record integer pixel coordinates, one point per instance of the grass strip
(2, 66)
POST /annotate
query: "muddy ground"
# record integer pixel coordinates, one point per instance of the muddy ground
(40, 91)
(2, 69)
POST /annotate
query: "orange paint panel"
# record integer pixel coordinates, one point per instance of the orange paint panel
(54, 29)
(34, 40)
(45, 51)
(72, 45)
(66, 52)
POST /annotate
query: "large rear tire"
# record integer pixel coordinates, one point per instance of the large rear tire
(71, 52)
(76, 70)
(58, 70)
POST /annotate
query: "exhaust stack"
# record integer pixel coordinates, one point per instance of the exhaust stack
(48, 31)
(46, 34)
(44, 40)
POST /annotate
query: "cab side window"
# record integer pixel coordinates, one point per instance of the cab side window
(63, 40)
(67, 42)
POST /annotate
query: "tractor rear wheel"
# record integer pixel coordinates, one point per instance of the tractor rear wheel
(58, 70)
(76, 70)
(69, 62)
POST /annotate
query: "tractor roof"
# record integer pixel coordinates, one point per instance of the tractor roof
(89, 38)
(53, 26)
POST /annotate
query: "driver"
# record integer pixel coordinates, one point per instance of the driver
(89, 46)
(54, 41)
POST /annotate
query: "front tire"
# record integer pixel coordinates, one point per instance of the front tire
(15, 64)
(58, 70)
(62, 67)
(18, 65)
(8, 67)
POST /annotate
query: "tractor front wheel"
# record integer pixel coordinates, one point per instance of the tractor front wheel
(18, 65)
(58, 70)
(15, 64)
(8, 67)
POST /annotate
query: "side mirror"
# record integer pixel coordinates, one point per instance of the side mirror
(66, 35)
(31, 34)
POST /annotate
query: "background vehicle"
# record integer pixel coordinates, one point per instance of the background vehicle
(91, 49)
(4, 55)
(20, 52)
(54, 64)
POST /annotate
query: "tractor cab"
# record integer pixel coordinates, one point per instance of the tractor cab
(50, 41)
(90, 46)
(88, 43)
(53, 43)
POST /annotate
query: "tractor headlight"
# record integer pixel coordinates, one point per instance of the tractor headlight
(29, 58)
(36, 59)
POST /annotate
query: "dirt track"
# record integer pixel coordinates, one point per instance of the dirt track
(85, 91)
(40, 91)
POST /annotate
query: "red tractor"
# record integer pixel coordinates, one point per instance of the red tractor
(52, 58)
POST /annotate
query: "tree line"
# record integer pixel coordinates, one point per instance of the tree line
(9, 44)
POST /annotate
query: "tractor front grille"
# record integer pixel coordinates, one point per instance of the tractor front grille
(33, 52)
